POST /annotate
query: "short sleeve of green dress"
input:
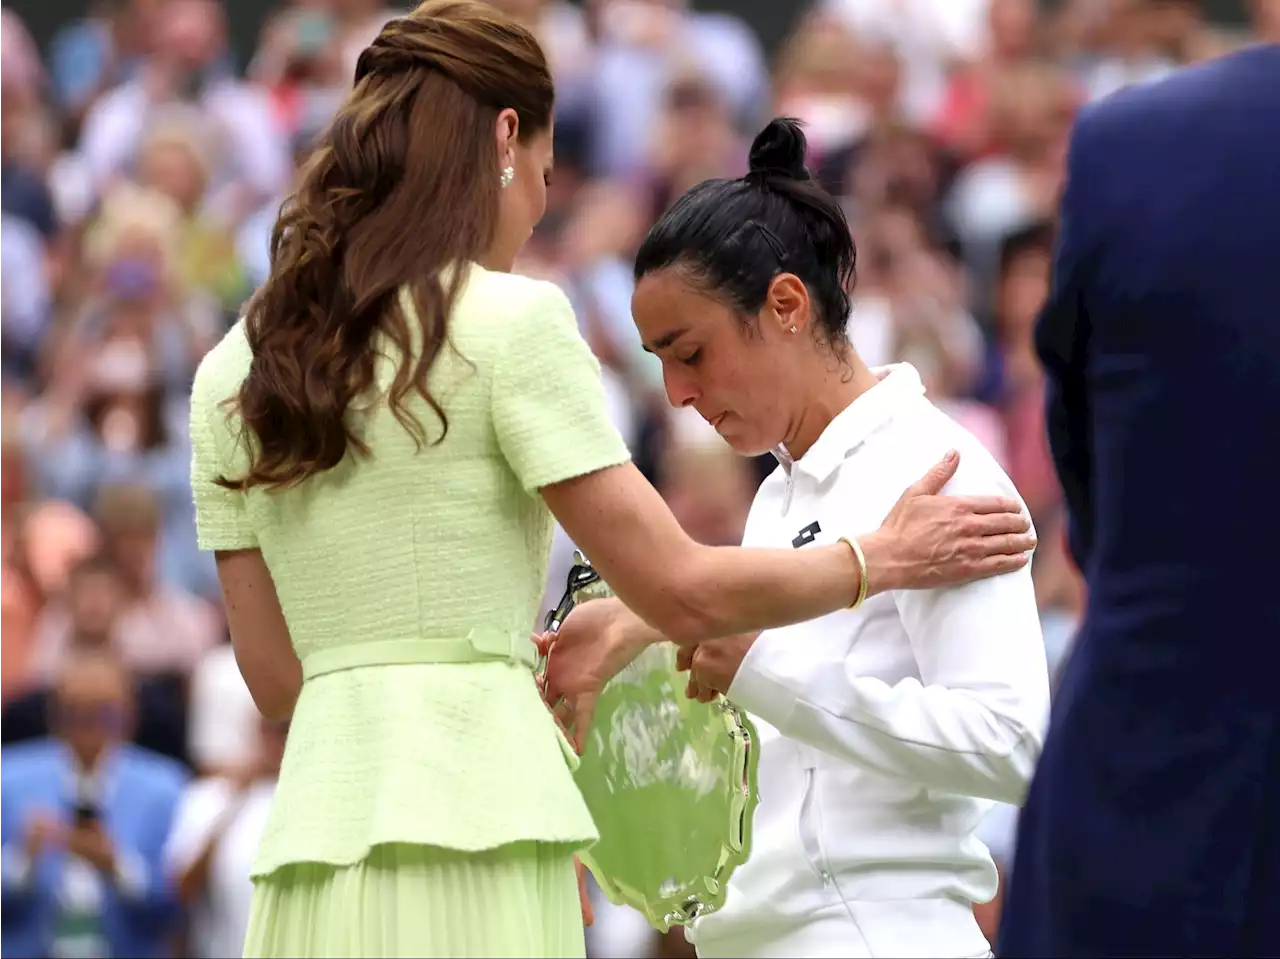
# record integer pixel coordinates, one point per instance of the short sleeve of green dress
(222, 521)
(548, 401)
(441, 543)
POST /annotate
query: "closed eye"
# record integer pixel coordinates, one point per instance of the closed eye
(692, 358)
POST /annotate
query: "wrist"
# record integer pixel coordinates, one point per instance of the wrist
(632, 635)
(879, 549)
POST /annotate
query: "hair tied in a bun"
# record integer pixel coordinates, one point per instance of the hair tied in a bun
(779, 151)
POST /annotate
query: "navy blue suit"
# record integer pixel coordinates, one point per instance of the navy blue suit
(1152, 827)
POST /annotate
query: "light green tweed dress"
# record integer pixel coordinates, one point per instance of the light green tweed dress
(424, 808)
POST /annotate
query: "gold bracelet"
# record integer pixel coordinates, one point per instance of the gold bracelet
(862, 570)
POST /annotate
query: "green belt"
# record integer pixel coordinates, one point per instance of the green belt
(479, 646)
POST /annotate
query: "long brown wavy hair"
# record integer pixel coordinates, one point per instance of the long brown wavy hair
(404, 183)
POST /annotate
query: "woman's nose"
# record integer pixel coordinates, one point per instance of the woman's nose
(680, 387)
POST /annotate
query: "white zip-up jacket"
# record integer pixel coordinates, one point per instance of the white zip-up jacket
(886, 733)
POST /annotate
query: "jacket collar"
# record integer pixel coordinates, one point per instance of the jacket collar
(851, 427)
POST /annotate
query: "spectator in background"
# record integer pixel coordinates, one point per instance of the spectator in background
(963, 122)
(172, 162)
(161, 631)
(299, 63)
(1022, 285)
(24, 285)
(19, 594)
(1179, 29)
(23, 192)
(186, 68)
(136, 288)
(818, 82)
(215, 837)
(358, 22)
(910, 304)
(1129, 51)
(93, 615)
(85, 818)
(594, 251)
(91, 55)
(222, 720)
(893, 165)
(113, 427)
(642, 45)
(86, 614)
(109, 417)
(1032, 108)
(564, 29)
(174, 628)
(693, 140)
(96, 599)
(42, 543)
(1265, 18)
(253, 238)
(932, 36)
(21, 73)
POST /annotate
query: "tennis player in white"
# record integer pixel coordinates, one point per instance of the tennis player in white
(886, 731)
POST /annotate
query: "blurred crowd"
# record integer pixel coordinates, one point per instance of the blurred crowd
(144, 160)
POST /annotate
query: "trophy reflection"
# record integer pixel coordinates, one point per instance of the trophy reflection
(670, 782)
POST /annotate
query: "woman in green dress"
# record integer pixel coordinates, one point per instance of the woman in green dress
(380, 447)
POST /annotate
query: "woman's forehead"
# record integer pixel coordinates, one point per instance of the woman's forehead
(667, 307)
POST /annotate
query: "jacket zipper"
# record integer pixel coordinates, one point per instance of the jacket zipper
(789, 465)
(810, 830)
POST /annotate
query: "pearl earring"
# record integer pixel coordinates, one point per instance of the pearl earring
(508, 175)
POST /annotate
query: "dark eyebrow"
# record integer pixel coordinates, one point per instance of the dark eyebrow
(662, 342)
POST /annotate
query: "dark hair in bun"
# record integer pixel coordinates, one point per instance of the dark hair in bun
(735, 236)
(779, 150)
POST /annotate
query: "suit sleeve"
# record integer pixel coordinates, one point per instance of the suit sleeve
(1062, 341)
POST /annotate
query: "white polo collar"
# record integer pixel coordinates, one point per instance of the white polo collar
(857, 421)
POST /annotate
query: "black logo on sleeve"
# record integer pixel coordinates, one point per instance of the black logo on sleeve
(806, 535)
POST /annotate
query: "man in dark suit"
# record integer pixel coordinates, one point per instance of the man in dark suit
(1153, 825)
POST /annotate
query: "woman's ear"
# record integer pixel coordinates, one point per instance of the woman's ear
(506, 133)
(788, 300)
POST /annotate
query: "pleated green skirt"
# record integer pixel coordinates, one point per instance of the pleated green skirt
(519, 900)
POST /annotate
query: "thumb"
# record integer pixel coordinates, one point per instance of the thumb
(583, 713)
(938, 476)
(543, 641)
